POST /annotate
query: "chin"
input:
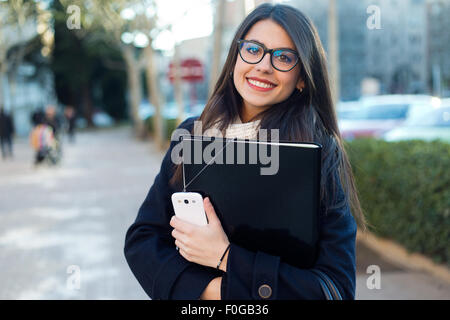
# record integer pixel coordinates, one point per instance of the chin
(259, 103)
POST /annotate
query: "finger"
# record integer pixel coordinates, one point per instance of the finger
(184, 254)
(176, 234)
(185, 250)
(180, 237)
(210, 212)
(182, 247)
(179, 244)
(180, 225)
(172, 222)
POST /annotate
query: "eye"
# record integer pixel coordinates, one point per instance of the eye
(285, 57)
(253, 49)
(282, 56)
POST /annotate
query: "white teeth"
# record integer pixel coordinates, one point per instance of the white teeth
(260, 84)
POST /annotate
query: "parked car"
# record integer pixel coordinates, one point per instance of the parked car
(379, 114)
(430, 125)
(344, 108)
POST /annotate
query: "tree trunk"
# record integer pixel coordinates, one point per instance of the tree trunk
(155, 97)
(134, 89)
(178, 90)
(12, 86)
(87, 104)
(217, 50)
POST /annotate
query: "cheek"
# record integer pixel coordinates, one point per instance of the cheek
(292, 85)
(240, 69)
(239, 72)
(289, 83)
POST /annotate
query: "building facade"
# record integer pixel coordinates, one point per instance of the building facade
(384, 40)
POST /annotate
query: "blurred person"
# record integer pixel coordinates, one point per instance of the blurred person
(37, 117)
(53, 120)
(275, 77)
(6, 134)
(42, 140)
(70, 116)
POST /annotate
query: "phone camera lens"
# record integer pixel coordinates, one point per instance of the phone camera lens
(186, 201)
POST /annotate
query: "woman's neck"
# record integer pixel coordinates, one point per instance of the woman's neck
(247, 114)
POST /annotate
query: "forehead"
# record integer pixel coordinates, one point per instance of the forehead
(271, 34)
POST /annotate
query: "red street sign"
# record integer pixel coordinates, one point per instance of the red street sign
(191, 71)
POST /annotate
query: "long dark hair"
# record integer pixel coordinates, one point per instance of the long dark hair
(307, 116)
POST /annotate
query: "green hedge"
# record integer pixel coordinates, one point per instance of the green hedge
(404, 189)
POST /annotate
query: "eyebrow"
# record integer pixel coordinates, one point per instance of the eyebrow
(260, 42)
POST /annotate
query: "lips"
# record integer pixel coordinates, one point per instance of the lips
(260, 84)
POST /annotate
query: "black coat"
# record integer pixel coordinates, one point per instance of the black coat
(164, 274)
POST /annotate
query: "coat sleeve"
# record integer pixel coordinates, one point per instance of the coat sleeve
(251, 273)
(150, 250)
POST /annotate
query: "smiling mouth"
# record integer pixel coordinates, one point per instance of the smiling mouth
(260, 85)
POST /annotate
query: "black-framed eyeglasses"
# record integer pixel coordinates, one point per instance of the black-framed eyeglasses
(282, 59)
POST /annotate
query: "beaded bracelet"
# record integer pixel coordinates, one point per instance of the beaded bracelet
(223, 256)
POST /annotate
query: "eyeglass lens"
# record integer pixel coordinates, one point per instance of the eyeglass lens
(283, 60)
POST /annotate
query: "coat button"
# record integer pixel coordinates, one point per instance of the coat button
(265, 291)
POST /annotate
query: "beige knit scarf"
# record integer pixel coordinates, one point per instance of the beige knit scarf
(237, 129)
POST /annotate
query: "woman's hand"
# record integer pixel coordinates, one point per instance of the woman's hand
(203, 245)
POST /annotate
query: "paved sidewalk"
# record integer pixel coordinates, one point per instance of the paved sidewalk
(396, 283)
(57, 223)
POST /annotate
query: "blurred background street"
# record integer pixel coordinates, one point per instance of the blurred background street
(73, 215)
(90, 92)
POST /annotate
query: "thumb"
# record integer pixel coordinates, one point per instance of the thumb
(210, 212)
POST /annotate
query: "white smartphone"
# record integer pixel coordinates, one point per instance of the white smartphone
(188, 206)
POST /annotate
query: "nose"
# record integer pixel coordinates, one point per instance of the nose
(265, 65)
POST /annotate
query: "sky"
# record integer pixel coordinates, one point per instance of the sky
(190, 19)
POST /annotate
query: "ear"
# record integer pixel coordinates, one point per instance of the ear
(300, 84)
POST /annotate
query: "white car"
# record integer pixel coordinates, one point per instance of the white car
(379, 114)
(430, 125)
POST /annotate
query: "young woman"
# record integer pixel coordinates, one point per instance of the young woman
(275, 76)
